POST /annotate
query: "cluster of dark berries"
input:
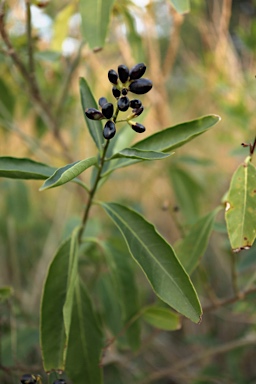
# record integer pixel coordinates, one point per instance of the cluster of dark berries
(36, 379)
(123, 81)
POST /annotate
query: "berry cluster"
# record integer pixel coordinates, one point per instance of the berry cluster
(123, 81)
(36, 379)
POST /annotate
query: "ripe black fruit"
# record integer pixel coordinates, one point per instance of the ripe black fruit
(93, 114)
(28, 379)
(137, 127)
(135, 103)
(109, 130)
(113, 76)
(123, 103)
(137, 71)
(140, 86)
(102, 101)
(108, 110)
(123, 73)
(116, 92)
(59, 381)
(138, 111)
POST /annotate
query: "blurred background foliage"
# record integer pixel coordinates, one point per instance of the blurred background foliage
(200, 63)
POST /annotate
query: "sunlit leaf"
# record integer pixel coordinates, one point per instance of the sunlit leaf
(181, 6)
(161, 318)
(61, 27)
(191, 248)
(23, 168)
(157, 260)
(95, 20)
(67, 173)
(241, 207)
(171, 138)
(94, 126)
(85, 341)
(134, 153)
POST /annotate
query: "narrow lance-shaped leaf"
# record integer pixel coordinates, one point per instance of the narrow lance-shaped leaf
(171, 138)
(161, 318)
(52, 330)
(134, 153)
(190, 249)
(67, 173)
(94, 126)
(85, 341)
(241, 207)
(95, 19)
(23, 168)
(157, 260)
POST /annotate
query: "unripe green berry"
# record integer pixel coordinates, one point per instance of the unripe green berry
(123, 72)
(108, 110)
(123, 103)
(113, 76)
(94, 114)
(137, 71)
(109, 130)
(140, 86)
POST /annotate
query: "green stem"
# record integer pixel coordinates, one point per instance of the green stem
(30, 43)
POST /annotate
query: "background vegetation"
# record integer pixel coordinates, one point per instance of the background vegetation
(202, 62)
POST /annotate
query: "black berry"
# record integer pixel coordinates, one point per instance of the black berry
(123, 103)
(137, 71)
(137, 127)
(140, 86)
(124, 91)
(123, 73)
(135, 103)
(93, 114)
(102, 101)
(108, 110)
(28, 379)
(138, 111)
(109, 130)
(60, 381)
(113, 76)
(116, 93)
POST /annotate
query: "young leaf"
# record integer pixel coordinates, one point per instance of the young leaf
(67, 173)
(161, 318)
(61, 26)
(241, 207)
(94, 126)
(134, 153)
(157, 260)
(181, 6)
(23, 168)
(52, 330)
(85, 341)
(95, 19)
(190, 249)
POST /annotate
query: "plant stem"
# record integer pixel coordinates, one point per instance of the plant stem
(30, 43)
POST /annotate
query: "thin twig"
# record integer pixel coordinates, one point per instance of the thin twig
(31, 65)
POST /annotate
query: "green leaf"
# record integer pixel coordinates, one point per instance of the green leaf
(7, 100)
(67, 173)
(157, 260)
(85, 341)
(23, 168)
(122, 272)
(181, 6)
(190, 249)
(241, 207)
(52, 329)
(5, 293)
(61, 27)
(134, 153)
(161, 318)
(95, 20)
(171, 138)
(187, 192)
(94, 126)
